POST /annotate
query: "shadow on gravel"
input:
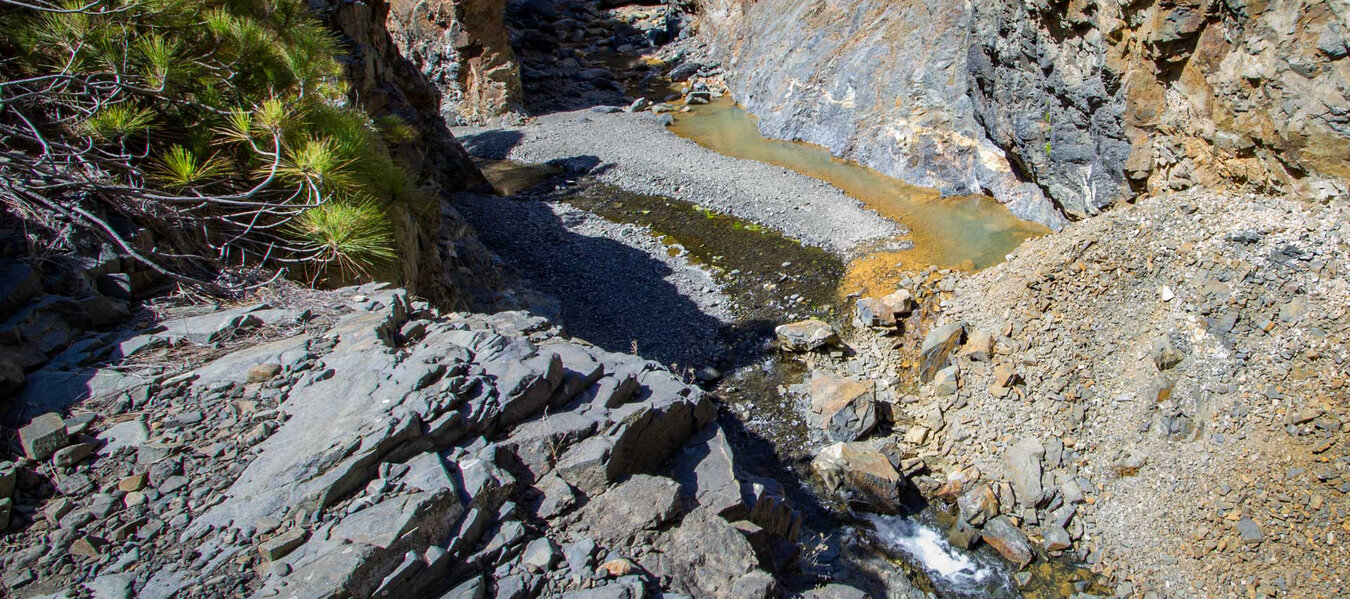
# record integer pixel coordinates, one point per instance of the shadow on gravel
(612, 295)
(495, 144)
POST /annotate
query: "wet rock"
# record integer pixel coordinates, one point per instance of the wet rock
(937, 349)
(844, 407)
(806, 335)
(864, 474)
(43, 436)
(1004, 536)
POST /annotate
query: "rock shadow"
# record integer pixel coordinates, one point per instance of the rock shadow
(610, 294)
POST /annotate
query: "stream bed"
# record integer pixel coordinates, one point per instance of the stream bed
(968, 232)
(764, 278)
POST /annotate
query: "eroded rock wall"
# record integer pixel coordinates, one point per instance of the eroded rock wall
(440, 256)
(461, 47)
(884, 83)
(1093, 102)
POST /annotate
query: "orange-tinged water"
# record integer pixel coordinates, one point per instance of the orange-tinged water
(962, 232)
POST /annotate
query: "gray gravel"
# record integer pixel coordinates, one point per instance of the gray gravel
(616, 284)
(636, 152)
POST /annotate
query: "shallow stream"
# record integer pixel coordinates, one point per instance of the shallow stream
(773, 279)
(963, 232)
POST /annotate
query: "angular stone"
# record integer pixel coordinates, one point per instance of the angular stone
(43, 436)
(1056, 538)
(539, 555)
(283, 544)
(947, 381)
(585, 465)
(1023, 462)
(9, 474)
(1249, 531)
(978, 505)
(1008, 540)
(705, 469)
(806, 335)
(11, 378)
(640, 503)
(71, 455)
(863, 472)
(844, 407)
(469, 589)
(937, 348)
(979, 346)
(209, 328)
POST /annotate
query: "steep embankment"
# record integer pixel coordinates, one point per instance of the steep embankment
(1093, 102)
(440, 256)
(1160, 391)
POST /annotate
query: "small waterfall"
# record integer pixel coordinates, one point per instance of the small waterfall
(954, 573)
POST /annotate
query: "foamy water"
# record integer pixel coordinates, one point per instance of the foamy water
(954, 571)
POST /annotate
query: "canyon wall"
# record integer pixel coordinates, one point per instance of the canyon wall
(1055, 107)
(440, 256)
(461, 47)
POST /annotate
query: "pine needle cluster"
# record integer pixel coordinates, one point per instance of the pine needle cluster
(227, 121)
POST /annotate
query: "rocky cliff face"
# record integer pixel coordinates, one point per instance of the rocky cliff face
(440, 255)
(462, 48)
(1093, 102)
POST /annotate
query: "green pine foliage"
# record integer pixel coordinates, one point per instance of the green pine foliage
(218, 98)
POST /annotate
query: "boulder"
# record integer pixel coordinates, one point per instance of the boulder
(641, 503)
(885, 311)
(862, 473)
(707, 555)
(844, 407)
(706, 471)
(806, 335)
(1023, 463)
(936, 351)
(209, 328)
(44, 436)
(978, 505)
(1005, 537)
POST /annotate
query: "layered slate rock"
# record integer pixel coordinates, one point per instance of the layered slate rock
(405, 453)
(845, 408)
